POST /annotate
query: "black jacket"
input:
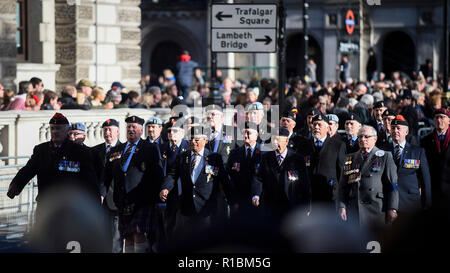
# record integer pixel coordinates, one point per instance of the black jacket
(243, 174)
(413, 173)
(283, 188)
(100, 158)
(324, 165)
(139, 185)
(70, 163)
(199, 199)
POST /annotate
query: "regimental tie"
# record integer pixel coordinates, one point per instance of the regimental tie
(280, 159)
(194, 161)
(127, 153)
(319, 143)
(174, 147)
(398, 153)
(365, 155)
(108, 147)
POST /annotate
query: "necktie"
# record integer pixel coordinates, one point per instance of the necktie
(350, 141)
(280, 159)
(127, 154)
(174, 147)
(398, 153)
(441, 138)
(108, 147)
(193, 162)
(365, 155)
(319, 143)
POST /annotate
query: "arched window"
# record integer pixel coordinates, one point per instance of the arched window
(21, 34)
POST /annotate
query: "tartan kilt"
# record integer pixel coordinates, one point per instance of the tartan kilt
(139, 222)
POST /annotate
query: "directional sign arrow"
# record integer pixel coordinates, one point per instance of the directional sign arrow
(267, 39)
(219, 16)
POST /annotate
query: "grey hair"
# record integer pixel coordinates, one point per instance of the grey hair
(367, 100)
(367, 127)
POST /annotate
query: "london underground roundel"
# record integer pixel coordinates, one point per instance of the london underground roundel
(350, 22)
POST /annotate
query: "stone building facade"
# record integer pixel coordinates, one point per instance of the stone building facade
(69, 40)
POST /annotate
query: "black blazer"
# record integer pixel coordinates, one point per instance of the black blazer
(226, 143)
(324, 166)
(168, 159)
(100, 157)
(283, 187)
(199, 199)
(243, 174)
(139, 185)
(70, 163)
(413, 175)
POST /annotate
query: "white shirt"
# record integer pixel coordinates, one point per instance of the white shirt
(214, 134)
(198, 165)
(323, 140)
(110, 145)
(402, 146)
(283, 155)
(252, 149)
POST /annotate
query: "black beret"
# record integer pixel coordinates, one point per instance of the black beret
(289, 114)
(283, 132)
(135, 119)
(389, 112)
(314, 112)
(399, 120)
(354, 116)
(379, 104)
(110, 122)
(58, 118)
(320, 117)
(172, 121)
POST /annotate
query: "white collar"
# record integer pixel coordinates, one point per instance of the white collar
(290, 134)
(200, 153)
(178, 144)
(283, 154)
(402, 144)
(112, 144)
(323, 139)
(251, 147)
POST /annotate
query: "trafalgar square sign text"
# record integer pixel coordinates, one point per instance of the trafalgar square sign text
(244, 28)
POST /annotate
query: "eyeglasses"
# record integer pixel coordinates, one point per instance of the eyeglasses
(323, 103)
(196, 139)
(365, 136)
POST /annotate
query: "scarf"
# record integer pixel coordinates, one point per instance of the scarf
(446, 140)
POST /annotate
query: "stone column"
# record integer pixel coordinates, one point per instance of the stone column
(99, 40)
(8, 51)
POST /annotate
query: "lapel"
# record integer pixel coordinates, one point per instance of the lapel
(405, 154)
(325, 143)
(368, 162)
(201, 176)
(133, 156)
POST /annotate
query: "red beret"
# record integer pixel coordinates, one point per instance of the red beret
(442, 111)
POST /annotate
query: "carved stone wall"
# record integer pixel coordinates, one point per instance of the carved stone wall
(98, 41)
(8, 51)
